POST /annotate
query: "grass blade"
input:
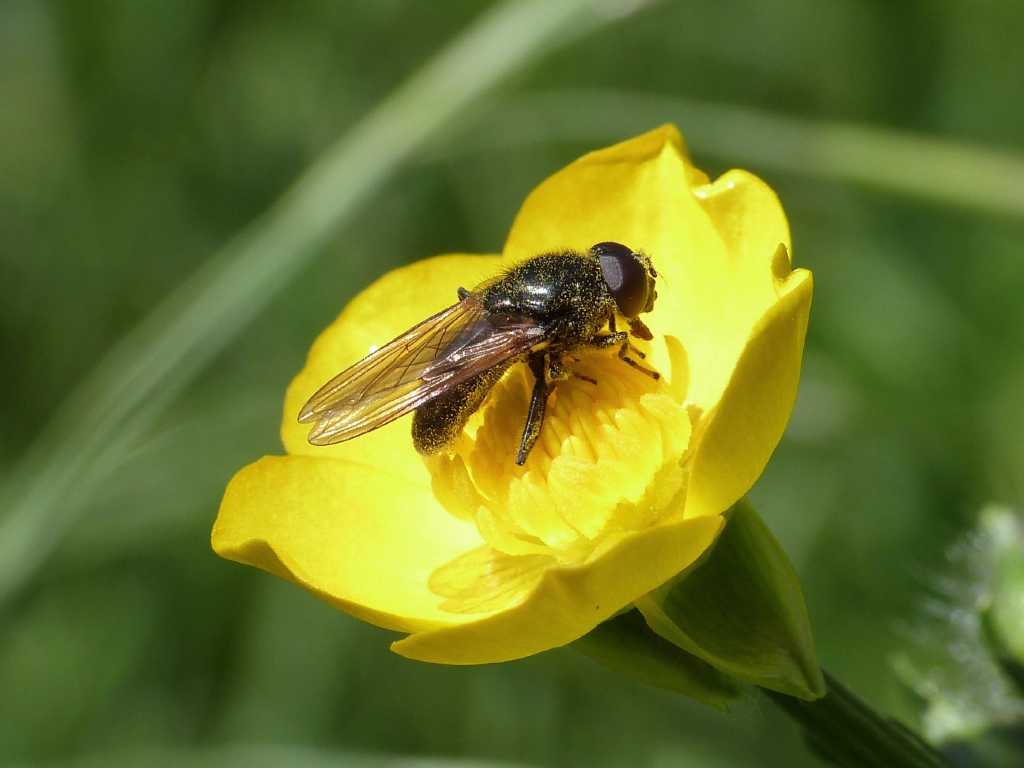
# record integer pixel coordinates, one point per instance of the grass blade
(45, 493)
(936, 170)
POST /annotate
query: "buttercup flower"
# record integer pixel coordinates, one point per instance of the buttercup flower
(479, 560)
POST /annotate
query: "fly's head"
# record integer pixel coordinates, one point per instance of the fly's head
(630, 277)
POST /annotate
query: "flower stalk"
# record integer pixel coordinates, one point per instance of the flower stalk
(845, 731)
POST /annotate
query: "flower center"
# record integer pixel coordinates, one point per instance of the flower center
(609, 459)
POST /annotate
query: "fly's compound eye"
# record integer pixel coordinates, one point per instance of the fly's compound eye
(629, 277)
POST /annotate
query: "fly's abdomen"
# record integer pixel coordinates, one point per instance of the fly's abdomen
(437, 423)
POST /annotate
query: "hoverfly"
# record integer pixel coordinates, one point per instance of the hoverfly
(537, 312)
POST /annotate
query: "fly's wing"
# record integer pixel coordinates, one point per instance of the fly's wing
(444, 350)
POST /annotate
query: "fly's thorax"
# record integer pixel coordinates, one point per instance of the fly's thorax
(564, 292)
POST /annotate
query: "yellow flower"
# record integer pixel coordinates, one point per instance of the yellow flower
(479, 560)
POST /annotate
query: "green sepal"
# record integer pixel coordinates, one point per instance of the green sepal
(742, 611)
(625, 644)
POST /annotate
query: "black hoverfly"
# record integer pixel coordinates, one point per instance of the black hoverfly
(537, 312)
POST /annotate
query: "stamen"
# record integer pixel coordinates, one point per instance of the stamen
(610, 459)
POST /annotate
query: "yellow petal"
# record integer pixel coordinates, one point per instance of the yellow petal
(568, 602)
(712, 244)
(740, 434)
(356, 536)
(395, 302)
(750, 220)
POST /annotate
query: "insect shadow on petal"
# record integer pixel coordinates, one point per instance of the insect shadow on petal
(538, 312)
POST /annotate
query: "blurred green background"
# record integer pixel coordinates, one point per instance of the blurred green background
(138, 138)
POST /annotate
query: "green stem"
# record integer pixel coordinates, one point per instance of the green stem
(847, 732)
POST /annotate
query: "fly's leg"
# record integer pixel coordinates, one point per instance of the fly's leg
(638, 329)
(608, 340)
(587, 379)
(558, 372)
(624, 351)
(621, 339)
(547, 371)
(539, 366)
